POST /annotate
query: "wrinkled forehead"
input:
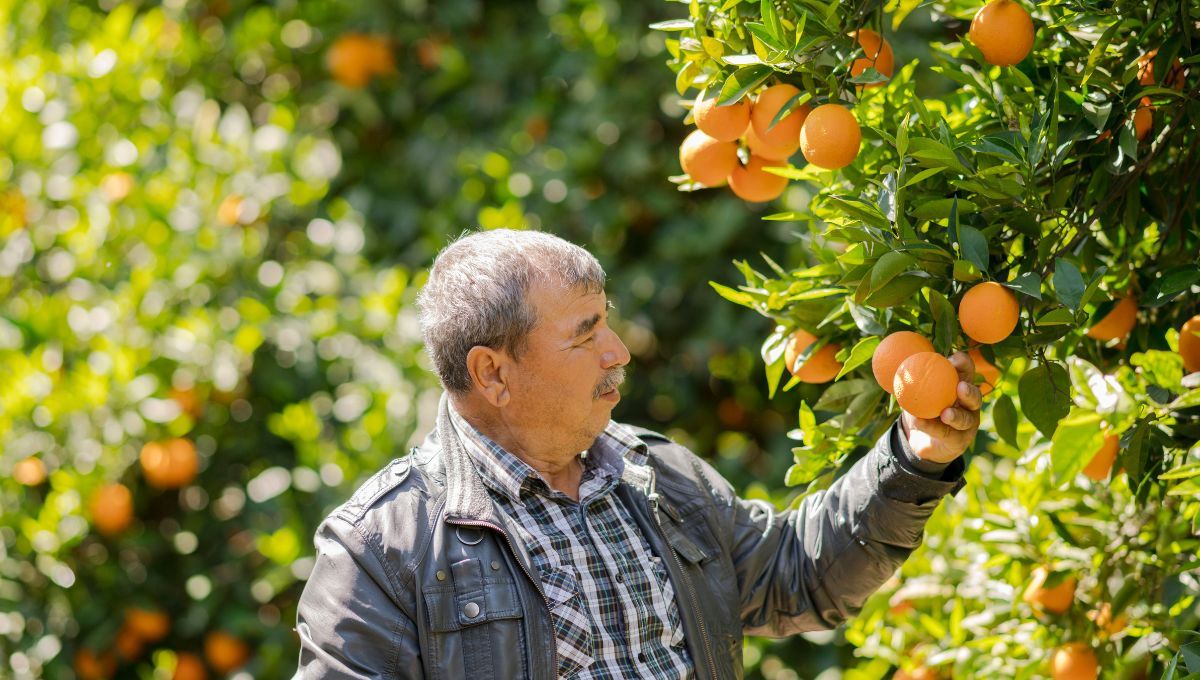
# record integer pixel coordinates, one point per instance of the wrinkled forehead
(565, 312)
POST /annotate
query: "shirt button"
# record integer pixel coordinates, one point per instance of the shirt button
(441, 575)
(619, 577)
(642, 657)
(471, 610)
(495, 565)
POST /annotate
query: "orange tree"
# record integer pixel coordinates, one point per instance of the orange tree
(213, 215)
(1041, 212)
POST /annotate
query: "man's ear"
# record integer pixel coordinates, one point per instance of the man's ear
(489, 372)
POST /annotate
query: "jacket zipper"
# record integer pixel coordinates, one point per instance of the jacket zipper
(687, 580)
(537, 585)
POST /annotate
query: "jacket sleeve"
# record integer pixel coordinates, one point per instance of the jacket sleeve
(813, 567)
(351, 621)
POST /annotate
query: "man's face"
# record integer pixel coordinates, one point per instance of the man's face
(565, 384)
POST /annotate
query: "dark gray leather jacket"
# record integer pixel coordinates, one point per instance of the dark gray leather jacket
(417, 575)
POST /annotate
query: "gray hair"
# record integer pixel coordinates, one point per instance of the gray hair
(477, 294)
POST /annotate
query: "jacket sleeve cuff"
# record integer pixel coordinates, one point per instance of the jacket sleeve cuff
(929, 468)
(901, 478)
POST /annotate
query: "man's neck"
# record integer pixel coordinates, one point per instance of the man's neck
(563, 472)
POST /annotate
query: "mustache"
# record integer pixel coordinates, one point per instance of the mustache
(611, 381)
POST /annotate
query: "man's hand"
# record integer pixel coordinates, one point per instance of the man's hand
(943, 439)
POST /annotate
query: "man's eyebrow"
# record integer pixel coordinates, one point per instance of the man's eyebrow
(588, 324)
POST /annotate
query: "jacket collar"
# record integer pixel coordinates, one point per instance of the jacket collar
(467, 496)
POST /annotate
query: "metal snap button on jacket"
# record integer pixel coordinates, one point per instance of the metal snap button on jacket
(471, 610)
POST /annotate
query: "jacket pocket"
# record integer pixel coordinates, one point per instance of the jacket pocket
(474, 624)
(572, 622)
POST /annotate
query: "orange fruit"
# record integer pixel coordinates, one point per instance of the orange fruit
(877, 54)
(151, 625)
(169, 464)
(722, 123)
(991, 374)
(830, 137)
(1117, 323)
(1102, 462)
(116, 186)
(768, 152)
(111, 507)
(30, 471)
(925, 384)
(128, 645)
(188, 666)
(988, 312)
(752, 183)
(892, 351)
(1189, 344)
(1175, 76)
(14, 211)
(1102, 616)
(230, 210)
(918, 673)
(706, 160)
(1003, 32)
(225, 652)
(189, 402)
(356, 58)
(768, 104)
(1143, 119)
(429, 53)
(92, 666)
(821, 367)
(1074, 661)
(901, 608)
(1055, 600)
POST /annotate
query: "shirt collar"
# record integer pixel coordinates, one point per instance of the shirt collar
(509, 475)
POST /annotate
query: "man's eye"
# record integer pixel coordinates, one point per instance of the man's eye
(589, 339)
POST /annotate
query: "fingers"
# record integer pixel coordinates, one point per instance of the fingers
(969, 396)
(964, 365)
(960, 419)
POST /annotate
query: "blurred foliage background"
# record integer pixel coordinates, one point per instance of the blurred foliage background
(214, 215)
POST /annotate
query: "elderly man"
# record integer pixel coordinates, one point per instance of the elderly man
(531, 536)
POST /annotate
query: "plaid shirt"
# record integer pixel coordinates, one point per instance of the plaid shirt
(611, 602)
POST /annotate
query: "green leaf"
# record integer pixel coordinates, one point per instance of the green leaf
(939, 209)
(935, 154)
(1068, 283)
(1045, 392)
(735, 296)
(860, 354)
(1004, 416)
(773, 357)
(1075, 441)
(1161, 368)
(1059, 316)
(765, 34)
(1028, 283)
(743, 81)
(897, 290)
(886, 268)
(789, 106)
(922, 175)
(1188, 399)
(839, 394)
(767, 9)
(952, 224)
(808, 424)
(1170, 285)
(673, 25)
(1135, 449)
(945, 321)
(973, 245)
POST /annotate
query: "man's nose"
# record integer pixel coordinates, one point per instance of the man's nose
(616, 353)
